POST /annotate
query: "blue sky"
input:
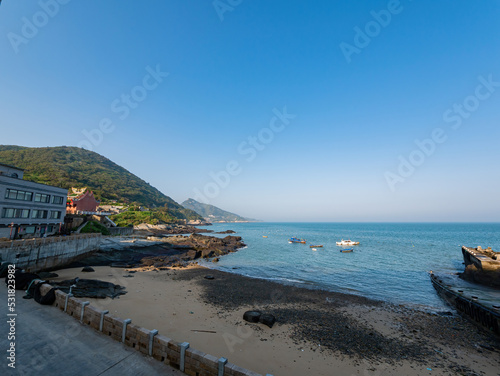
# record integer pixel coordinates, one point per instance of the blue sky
(66, 65)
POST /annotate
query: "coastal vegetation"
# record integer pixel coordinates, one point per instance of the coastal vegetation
(68, 167)
(152, 217)
(93, 227)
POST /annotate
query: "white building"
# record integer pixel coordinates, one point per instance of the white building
(29, 209)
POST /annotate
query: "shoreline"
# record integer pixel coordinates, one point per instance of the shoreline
(314, 287)
(316, 330)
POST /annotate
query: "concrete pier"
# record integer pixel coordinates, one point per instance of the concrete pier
(482, 265)
(480, 304)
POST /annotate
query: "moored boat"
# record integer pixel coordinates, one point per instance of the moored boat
(347, 250)
(297, 240)
(347, 242)
(316, 246)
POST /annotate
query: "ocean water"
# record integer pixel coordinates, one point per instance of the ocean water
(392, 262)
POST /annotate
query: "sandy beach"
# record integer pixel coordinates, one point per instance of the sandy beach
(317, 332)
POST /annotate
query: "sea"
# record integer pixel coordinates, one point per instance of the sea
(391, 263)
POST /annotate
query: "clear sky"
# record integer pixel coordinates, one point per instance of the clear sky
(354, 83)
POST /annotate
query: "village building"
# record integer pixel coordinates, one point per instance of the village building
(82, 201)
(29, 209)
(82, 206)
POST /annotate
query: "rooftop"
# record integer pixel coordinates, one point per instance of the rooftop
(9, 166)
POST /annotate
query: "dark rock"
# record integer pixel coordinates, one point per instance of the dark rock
(207, 253)
(226, 232)
(47, 275)
(216, 259)
(4, 269)
(487, 347)
(120, 265)
(445, 313)
(91, 288)
(267, 319)
(209, 277)
(252, 316)
(88, 269)
(23, 280)
(193, 254)
(189, 248)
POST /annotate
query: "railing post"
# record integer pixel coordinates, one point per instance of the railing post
(66, 302)
(222, 364)
(84, 304)
(124, 331)
(184, 347)
(152, 334)
(101, 324)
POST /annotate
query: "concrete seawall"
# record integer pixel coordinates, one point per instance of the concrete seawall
(476, 257)
(478, 304)
(35, 255)
(482, 266)
(121, 231)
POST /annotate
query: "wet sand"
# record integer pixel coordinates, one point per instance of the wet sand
(317, 332)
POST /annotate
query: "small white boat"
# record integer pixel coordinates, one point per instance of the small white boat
(347, 242)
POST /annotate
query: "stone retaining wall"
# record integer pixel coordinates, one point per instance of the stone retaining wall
(121, 230)
(178, 355)
(39, 254)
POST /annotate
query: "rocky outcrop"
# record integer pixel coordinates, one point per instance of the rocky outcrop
(194, 247)
(226, 232)
(172, 229)
(163, 251)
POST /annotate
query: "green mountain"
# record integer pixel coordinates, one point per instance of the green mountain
(68, 167)
(212, 213)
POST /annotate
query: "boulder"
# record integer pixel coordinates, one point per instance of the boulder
(47, 275)
(252, 316)
(267, 319)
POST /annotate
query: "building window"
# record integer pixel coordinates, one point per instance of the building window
(40, 197)
(15, 213)
(57, 200)
(14, 194)
(39, 214)
(55, 214)
(30, 229)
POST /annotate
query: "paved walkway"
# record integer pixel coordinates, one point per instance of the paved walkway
(49, 342)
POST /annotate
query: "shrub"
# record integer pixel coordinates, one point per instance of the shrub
(94, 227)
